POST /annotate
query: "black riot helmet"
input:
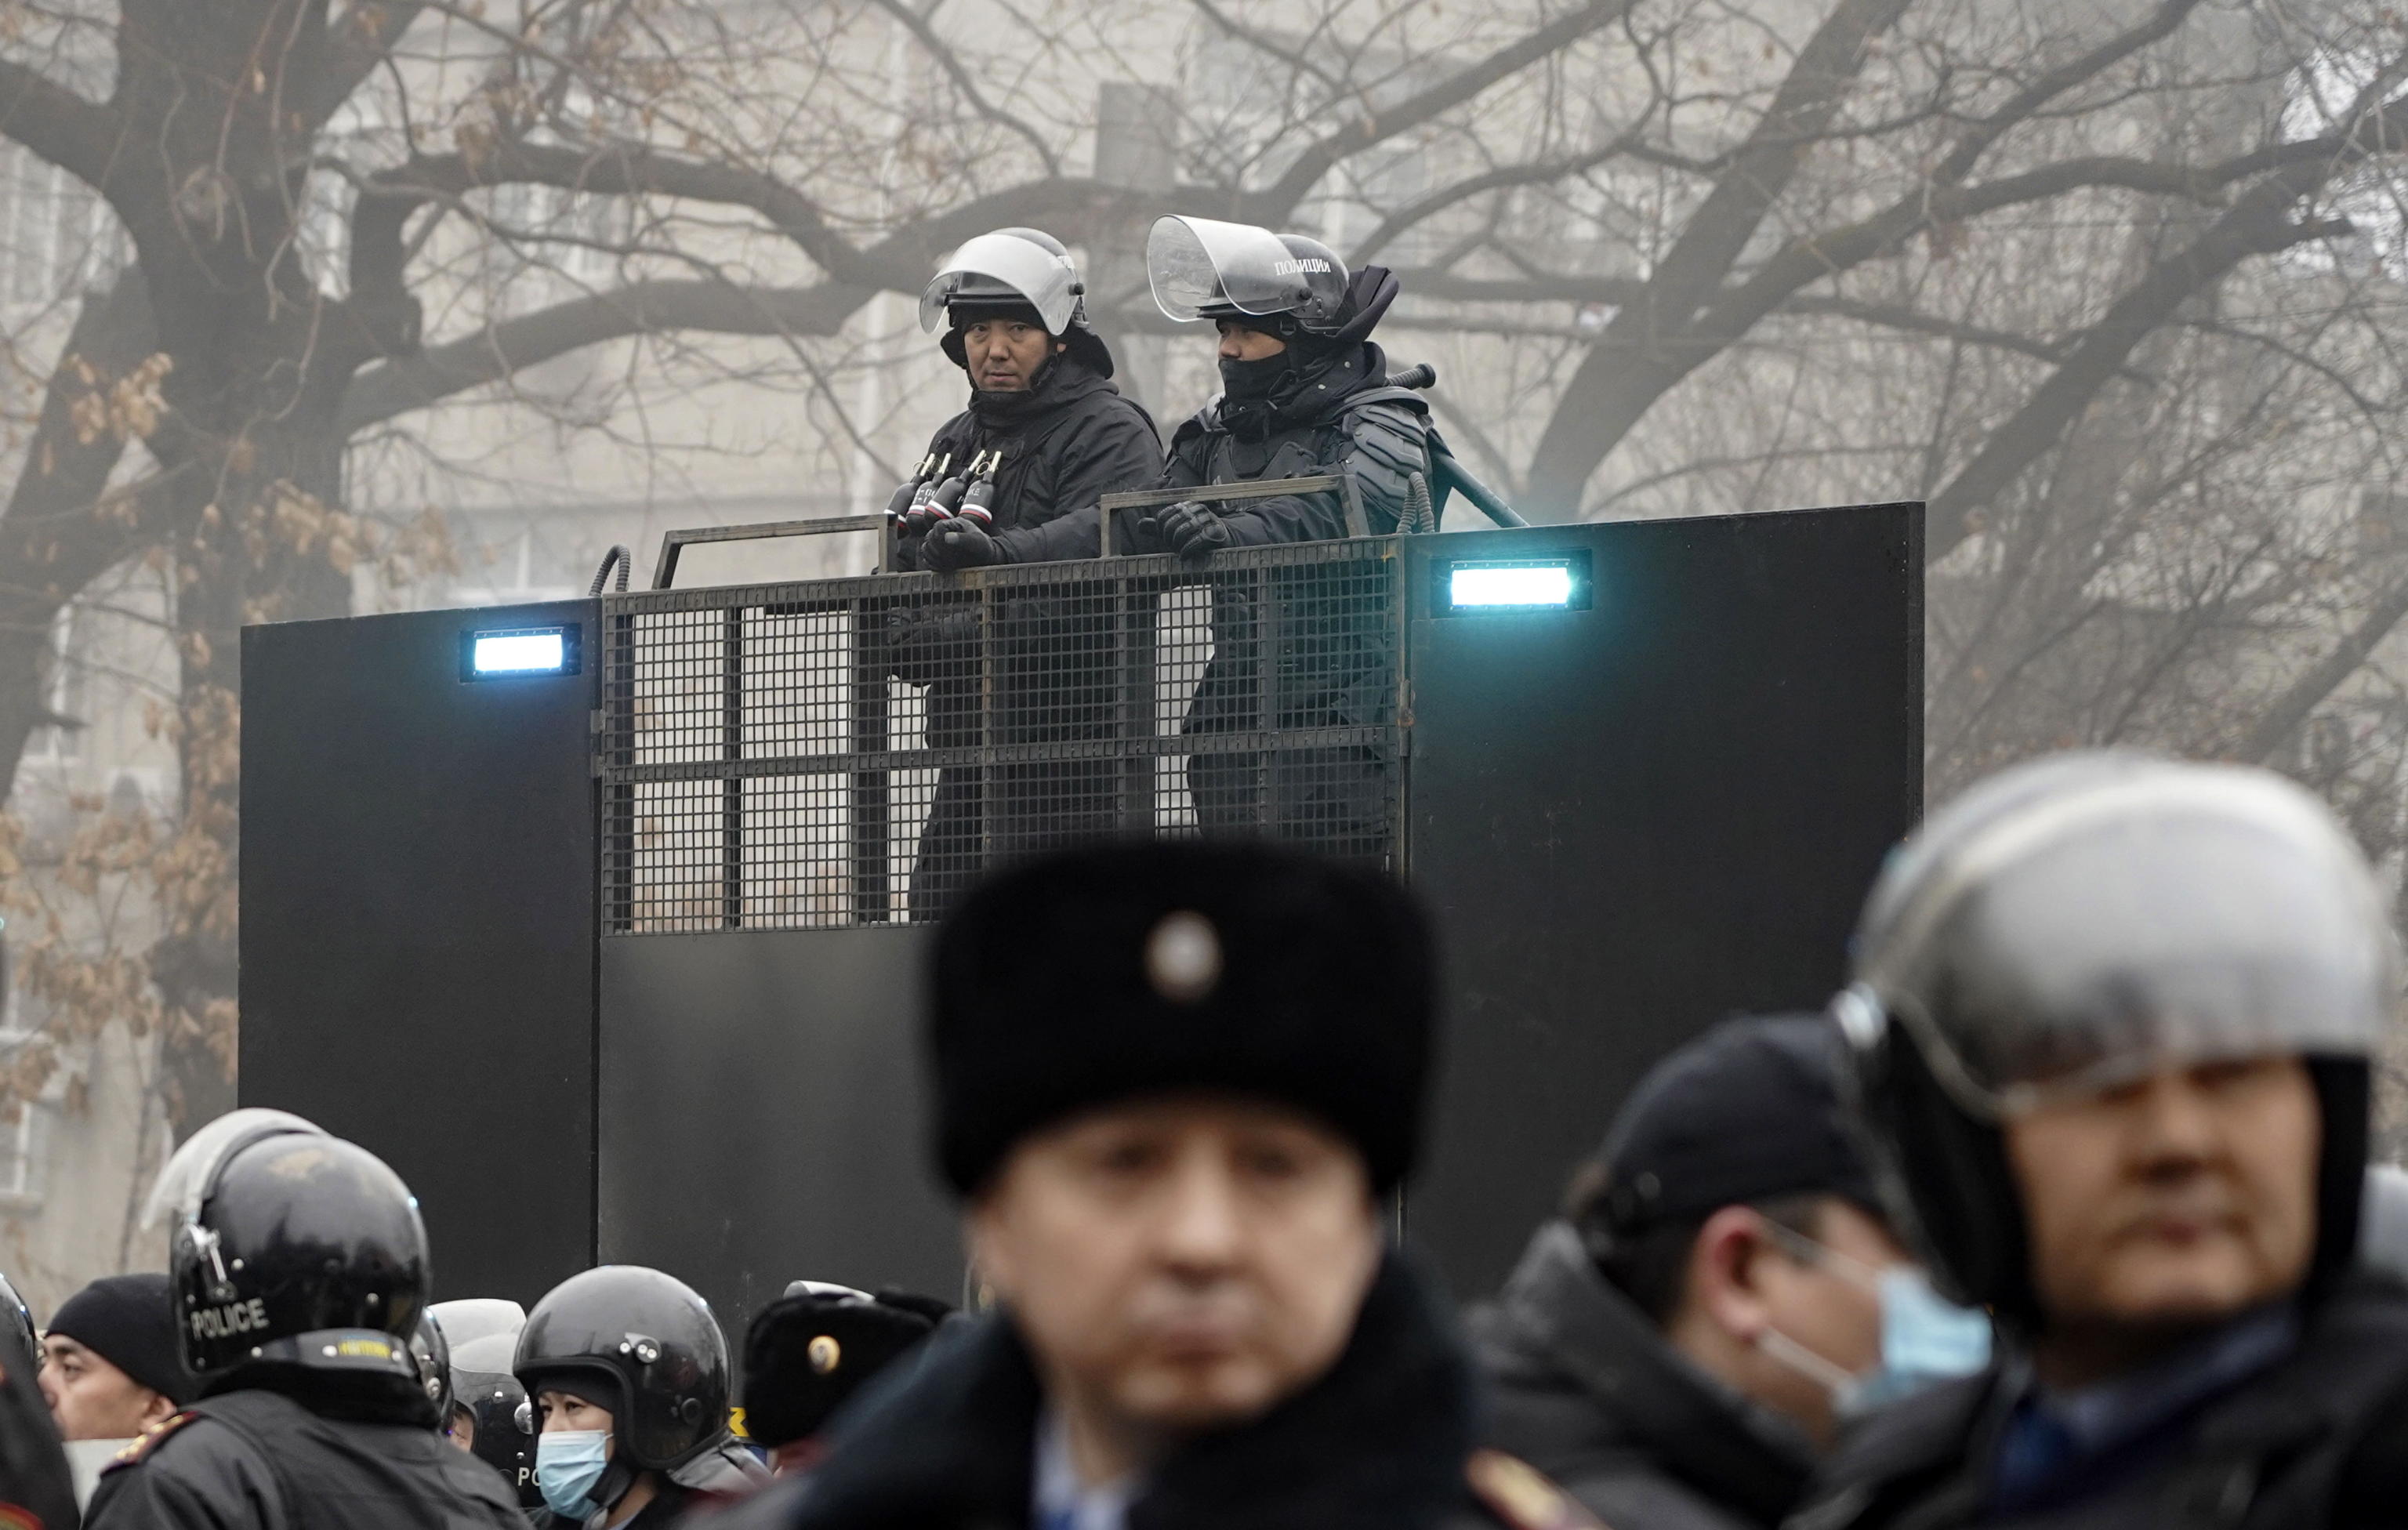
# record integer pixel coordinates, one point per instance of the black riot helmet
(1285, 284)
(18, 1316)
(431, 1355)
(484, 1387)
(291, 1247)
(2086, 920)
(641, 1344)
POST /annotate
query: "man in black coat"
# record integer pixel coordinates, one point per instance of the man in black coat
(298, 1267)
(1048, 433)
(1305, 392)
(1679, 1348)
(1174, 1085)
(2113, 1023)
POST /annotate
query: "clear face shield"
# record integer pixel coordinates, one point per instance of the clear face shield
(1002, 267)
(1195, 264)
(2165, 920)
(194, 1166)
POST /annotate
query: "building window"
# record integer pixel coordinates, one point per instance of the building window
(21, 1142)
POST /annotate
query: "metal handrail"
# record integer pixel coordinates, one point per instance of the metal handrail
(1142, 499)
(676, 542)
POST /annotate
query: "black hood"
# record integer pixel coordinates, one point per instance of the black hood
(1588, 1391)
(1060, 382)
(1378, 1443)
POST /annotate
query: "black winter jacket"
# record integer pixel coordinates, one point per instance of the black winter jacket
(36, 1487)
(259, 1459)
(1380, 1443)
(1067, 444)
(2317, 1439)
(1341, 417)
(1586, 1389)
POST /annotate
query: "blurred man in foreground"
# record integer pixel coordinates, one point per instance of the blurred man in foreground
(1174, 1084)
(2113, 1019)
(1723, 1292)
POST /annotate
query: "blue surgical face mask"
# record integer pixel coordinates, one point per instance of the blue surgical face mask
(1925, 1337)
(567, 1463)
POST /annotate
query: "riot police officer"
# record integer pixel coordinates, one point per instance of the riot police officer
(628, 1373)
(2112, 1020)
(492, 1418)
(36, 1487)
(1046, 433)
(1305, 392)
(298, 1269)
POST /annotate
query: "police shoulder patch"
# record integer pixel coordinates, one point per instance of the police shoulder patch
(1522, 1496)
(151, 1438)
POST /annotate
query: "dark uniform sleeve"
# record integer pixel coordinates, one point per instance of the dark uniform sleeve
(190, 1474)
(1112, 454)
(1380, 444)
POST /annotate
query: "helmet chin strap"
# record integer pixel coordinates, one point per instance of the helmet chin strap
(617, 1478)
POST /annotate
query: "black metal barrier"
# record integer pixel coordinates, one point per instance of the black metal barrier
(853, 752)
(642, 881)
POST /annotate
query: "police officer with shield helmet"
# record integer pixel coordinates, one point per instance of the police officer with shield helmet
(1046, 433)
(298, 1270)
(2112, 1023)
(1305, 392)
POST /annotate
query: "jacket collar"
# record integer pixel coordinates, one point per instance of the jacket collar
(1558, 1315)
(1379, 1442)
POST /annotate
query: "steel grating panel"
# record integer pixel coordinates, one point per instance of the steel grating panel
(854, 751)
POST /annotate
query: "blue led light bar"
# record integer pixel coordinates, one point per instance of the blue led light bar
(519, 652)
(1558, 583)
(1545, 584)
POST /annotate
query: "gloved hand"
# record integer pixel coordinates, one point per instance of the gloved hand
(1192, 530)
(957, 543)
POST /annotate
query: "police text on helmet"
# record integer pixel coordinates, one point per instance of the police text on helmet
(227, 1321)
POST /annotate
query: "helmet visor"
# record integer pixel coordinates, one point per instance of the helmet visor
(1002, 268)
(189, 1172)
(467, 1320)
(1196, 265)
(2152, 923)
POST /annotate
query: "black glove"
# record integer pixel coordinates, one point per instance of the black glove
(1192, 530)
(957, 543)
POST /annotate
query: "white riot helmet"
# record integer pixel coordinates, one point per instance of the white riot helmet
(1013, 266)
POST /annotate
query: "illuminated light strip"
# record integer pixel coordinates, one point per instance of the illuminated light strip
(1475, 586)
(520, 654)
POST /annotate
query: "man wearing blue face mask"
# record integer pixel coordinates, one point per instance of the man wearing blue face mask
(628, 1373)
(1722, 1295)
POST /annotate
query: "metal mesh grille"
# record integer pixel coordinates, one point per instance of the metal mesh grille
(855, 751)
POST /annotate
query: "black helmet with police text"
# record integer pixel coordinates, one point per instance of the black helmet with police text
(643, 1345)
(2085, 920)
(1285, 284)
(291, 1247)
(501, 1420)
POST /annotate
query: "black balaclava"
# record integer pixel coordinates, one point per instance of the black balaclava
(1255, 395)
